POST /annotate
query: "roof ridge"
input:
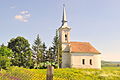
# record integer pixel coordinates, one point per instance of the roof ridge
(78, 42)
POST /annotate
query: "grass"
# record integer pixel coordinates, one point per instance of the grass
(16, 73)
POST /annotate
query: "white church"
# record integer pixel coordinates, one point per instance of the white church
(77, 54)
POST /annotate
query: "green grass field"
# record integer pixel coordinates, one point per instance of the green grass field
(16, 73)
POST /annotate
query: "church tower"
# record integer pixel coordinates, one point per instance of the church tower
(64, 32)
(64, 35)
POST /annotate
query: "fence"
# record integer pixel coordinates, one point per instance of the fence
(17, 73)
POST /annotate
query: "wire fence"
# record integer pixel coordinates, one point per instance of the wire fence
(17, 73)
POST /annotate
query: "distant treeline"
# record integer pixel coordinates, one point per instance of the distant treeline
(110, 64)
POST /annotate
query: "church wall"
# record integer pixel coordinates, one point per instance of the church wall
(65, 47)
(66, 60)
(77, 60)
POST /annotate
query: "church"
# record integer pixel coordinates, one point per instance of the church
(77, 54)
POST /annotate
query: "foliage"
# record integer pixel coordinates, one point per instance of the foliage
(5, 57)
(4, 62)
(39, 49)
(22, 53)
(44, 53)
(16, 73)
(57, 49)
(4, 51)
(45, 64)
(50, 55)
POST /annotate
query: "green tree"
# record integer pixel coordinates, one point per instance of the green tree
(22, 52)
(5, 57)
(44, 53)
(57, 49)
(38, 51)
(50, 55)
(2, 45)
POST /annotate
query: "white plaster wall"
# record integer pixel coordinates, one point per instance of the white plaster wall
(76, 60)
(66, 61)
(65, 47)
(62, 33)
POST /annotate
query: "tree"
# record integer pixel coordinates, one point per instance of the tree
(2, 45)
(57, 49)
(5, 57)
(44, 53)
(22, 52)
(50, 55)
(38, 51)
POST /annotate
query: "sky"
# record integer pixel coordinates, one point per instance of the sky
(94, 21)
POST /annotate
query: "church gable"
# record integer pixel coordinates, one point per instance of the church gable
(82, 47)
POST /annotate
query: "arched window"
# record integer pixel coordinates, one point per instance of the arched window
(90, 61)
(83, 61)
(65, 37)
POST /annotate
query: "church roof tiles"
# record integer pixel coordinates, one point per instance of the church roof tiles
(83, 47)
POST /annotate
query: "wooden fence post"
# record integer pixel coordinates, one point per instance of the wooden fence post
(50, 72)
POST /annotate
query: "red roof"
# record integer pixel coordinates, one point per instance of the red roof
(83, 47)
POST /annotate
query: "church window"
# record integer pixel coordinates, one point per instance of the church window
(83, 61)
(90, 61)
(66, 37)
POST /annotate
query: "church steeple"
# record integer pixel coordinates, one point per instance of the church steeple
(64, 19)
(64, 30)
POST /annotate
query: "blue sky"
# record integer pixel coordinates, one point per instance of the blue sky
(94, 21)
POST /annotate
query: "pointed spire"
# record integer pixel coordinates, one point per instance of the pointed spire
(64, 20)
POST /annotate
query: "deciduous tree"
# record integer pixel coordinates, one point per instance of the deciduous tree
(5, 57)
(22, 52)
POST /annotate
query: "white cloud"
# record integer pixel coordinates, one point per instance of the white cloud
(28, 15)
(18, 17)
(24, 12)
(12, 7)
(23, 16)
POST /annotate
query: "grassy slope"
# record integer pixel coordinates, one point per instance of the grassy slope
(107, 73)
